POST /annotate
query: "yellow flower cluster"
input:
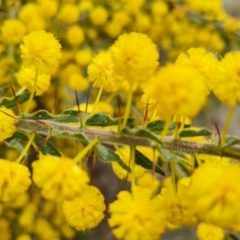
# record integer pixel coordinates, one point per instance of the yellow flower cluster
(7, 123)
(135, 215)
(41, 51)
(176, 87)
(212, 199)
(48, 173)
(116, 46)
(15, 180)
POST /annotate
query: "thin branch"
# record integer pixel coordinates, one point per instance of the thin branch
(46, 127)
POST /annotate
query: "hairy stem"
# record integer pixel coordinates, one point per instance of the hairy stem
(46, 127)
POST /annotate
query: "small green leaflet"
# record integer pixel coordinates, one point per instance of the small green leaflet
(107, 155)
(158, 126)
(140, 132)
(194, 132)
(103, 120)
(143, 161)
(4, 90)
(11, 102)
(46, 147)
(16, 141)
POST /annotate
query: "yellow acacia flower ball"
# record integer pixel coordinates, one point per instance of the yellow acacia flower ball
(84, 57)
(137, 213)
(68, 14)
(101, 73)
(28, 11)
(148, 180)
(178, 211)
(113, 29)
(48, 8)
(24, 237)
(42, 51)
(7, 123)
(59, 178)
(183, 91)
(44, 229)
(203, 61)
(214, 193)
(226, 83)
(5, 228)
(78, 82)
(13, 31)
(124, 154)
(132, 6)
(15, 180)
(75, 35)
(121, 17)
(26, 78)
(206, 231)
(27, 216)
(224, 161)
(29, 14)
(99, 16)
(135, 57)
(87, 211)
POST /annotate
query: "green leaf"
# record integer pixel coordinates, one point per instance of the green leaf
(107, 155)
(16, 141)
(39, 115)
(182, 170)
(69, 116)
(82, 138)
(140, 132)
(230, 141)
(4, 90)
(11, 102)
(170, 156)
(20, 136)
(143, 161)
(103, 120)
(195, 132)
(158, 126)
(46, 147)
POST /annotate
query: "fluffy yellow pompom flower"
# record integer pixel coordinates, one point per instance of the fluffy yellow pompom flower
(42, 51)
(68, 14)
(13, 31)
(84, 57)
(136, 215)
(149, 180)
(59, 178)
(87, 211)
(124, 154)
(178, 212)
(101, 73)
(7, 123)
(226, 83)
(214, 194)
(26, 77)
(48, 8)
(78, 82)
(183, 91)
(15, 180)
(75, 35)
(99, 16)
(5, 227)
(200, 59)
(135, 57)
(207, 231)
